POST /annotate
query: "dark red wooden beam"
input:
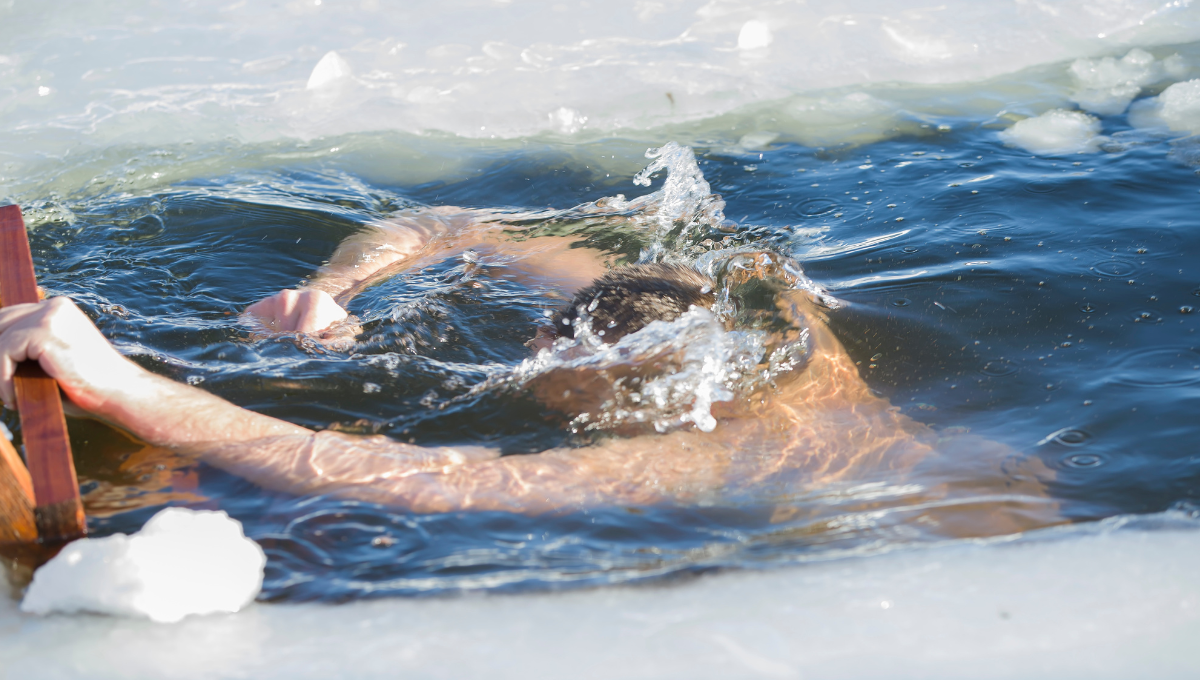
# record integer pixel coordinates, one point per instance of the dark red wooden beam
(58, 510)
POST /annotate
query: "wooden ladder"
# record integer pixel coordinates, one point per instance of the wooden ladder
(39, 503)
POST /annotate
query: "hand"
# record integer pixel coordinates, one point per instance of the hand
(69, 349)
(307, 310)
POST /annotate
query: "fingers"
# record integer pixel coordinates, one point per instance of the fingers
(23, 330)
(302, 311)
(316, 310)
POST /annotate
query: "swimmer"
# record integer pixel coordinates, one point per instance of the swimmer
(819, 426)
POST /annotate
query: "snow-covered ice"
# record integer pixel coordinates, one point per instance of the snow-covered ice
(1117, 599)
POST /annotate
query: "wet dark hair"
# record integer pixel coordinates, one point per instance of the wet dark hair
(625, 300)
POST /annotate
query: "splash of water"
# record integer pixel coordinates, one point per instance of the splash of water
(683, 208)
(669, 374)
(696, 364)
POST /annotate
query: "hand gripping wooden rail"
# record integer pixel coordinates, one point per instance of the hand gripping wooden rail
(49, 485)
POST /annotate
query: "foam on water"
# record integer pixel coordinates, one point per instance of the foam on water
(182, 563)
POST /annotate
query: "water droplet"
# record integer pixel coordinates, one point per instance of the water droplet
(1147, 316)
(910, 249)
(1186, 309)
(877, 357)
(901, 302)
(1087, 308)
(1083, 460)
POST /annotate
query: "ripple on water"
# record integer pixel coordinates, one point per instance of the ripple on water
(998, 368)
(1071, 437)
(1041, 187)
(1083, 460)
(900, 302)
(1161, 367)
(983, 222)
(816, 207)
(1115, 268)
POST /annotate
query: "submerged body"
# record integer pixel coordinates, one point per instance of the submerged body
(817, 428)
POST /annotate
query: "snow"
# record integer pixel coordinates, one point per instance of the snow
(1107, 86)
(1179, 106)
(1056, 132)
(182, 563)
(1117, 599)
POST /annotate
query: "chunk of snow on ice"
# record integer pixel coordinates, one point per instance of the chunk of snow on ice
(182, 562)
(1179, 106)
(754, 35)
(329, 70)
(1056, 132)
(1107, 86)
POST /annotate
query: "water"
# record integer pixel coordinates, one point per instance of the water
(1030, 305)
(179, 167)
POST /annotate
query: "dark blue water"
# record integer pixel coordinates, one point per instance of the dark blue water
(1048, 306)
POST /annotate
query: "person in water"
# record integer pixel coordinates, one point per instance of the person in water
(815, 427)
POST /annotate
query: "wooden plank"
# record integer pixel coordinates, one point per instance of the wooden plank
(58, 511)
(17, 524)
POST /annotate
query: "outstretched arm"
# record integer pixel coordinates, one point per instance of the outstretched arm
(419, 237)
(102, 383)
(320, 303)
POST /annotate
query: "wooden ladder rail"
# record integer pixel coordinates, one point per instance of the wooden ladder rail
(57, 509)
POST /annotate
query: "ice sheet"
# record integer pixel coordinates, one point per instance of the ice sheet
(135, 71)
(1094, 601)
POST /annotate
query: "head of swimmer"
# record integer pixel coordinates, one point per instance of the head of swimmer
(626, 300)
(621, 302)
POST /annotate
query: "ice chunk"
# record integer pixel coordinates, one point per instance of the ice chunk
(182, 562)
(1056, 132)
(1107, 86)
(754, 35)
(329, 70)
(1179, 106)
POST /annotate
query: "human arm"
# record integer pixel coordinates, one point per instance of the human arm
(415, 238)
(321, 301)
(100, 382)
